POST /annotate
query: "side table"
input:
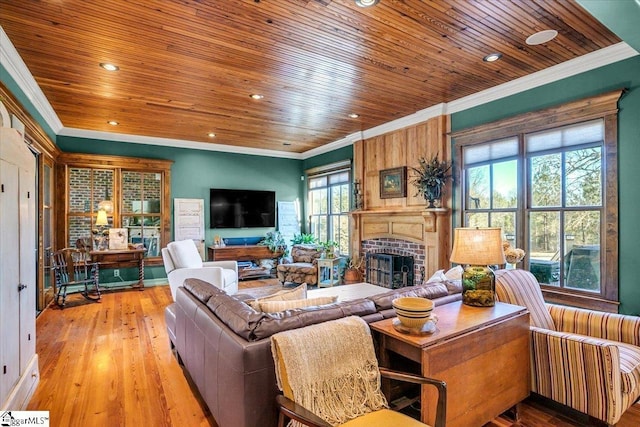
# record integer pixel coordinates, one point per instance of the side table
(122, 258)
(482, 353)
(328, 272)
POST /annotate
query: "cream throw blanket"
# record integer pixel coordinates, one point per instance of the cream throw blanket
(331, 368)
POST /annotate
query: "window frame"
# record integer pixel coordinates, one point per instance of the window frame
(327, 171)
(603, 106)
(117, 164)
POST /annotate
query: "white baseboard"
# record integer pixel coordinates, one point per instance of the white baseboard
(21, 394)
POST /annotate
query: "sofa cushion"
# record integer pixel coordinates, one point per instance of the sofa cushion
(272, 323)
(184, 254)
(275, 306)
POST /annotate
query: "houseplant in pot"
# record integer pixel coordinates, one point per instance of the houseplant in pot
(429, 178)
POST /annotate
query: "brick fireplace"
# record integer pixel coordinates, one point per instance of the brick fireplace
(421, 233)
(398, 247)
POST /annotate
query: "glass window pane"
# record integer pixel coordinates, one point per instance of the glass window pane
(102, 186)
(339, 177)
(344, 198)
(505, 184)
(131, 192)
(544, 247)
(335, 199)
(318, 182)
(80, 190)
(546, 180)
(478, 187)
(491, 151)
(152, 189)
(79, 228)
(506, 221)
(582, 250)
(584, 177)
(582, 133)
(480, 219)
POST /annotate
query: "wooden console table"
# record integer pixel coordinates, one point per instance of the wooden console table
(482, 353)
(244, 253)
(122, 258)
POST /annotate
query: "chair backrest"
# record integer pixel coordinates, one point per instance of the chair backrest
(305, 253)
(69, 265)
(520, 287)
(184, 254)
(329, 368)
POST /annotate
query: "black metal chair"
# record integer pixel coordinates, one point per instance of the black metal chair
(72, 267)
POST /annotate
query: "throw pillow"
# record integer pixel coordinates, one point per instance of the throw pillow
(299, 292)
(438, 276)
(276, 306)
(455, 273)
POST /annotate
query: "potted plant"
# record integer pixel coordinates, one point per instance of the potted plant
(275, 242)
(329, 247)
(430, 176)
(303, 239)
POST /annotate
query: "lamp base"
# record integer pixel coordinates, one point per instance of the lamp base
(478, 286)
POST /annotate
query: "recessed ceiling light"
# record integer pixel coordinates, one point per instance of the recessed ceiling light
(113, 123)
(366, 3)
(286, 143)
(541, 37)
(211, 135)
(256, 96)
(109, 67)
(354, 115)
(492, 57)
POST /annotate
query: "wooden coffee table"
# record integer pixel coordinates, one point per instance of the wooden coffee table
(482, 353)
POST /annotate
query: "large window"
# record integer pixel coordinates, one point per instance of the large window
(546, 187)
(137, 190)
(329, 204)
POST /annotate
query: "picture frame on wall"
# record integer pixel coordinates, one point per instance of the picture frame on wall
(118, 239)
(393, 183)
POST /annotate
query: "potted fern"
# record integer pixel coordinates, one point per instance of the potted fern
(430, 176)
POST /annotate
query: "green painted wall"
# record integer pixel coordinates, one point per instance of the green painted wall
(624, 74)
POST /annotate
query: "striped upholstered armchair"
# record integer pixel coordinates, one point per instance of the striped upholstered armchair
(584, 359)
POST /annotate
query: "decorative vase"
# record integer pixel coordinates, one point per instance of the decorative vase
(478, 286)
(432, 193)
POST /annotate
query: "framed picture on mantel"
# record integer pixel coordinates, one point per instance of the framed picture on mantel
(393, 183)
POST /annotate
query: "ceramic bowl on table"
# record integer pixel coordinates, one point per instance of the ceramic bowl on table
(413, 312)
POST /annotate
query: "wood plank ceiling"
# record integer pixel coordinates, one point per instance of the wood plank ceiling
(187, 67)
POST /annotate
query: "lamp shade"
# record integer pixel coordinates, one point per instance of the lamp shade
(102, 220)
(477, 246)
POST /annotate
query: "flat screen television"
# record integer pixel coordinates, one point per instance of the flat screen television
(242, 208)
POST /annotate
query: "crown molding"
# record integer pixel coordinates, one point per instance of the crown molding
(17, 69)
(175, 143)
(581, 64)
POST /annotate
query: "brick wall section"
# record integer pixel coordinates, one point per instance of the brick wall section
(398, 247)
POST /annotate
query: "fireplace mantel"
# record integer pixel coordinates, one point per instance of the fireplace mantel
(428, 227)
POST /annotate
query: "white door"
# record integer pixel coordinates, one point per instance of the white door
(28, 265)
(9, 279)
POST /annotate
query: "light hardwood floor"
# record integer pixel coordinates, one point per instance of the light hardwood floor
(109, 363)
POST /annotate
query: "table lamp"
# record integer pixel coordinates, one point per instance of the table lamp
(101, 222)
(477, 248)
